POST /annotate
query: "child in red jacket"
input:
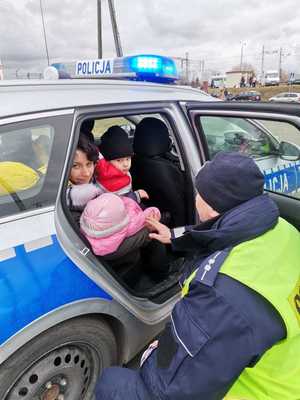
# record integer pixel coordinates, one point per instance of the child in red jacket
(113, 166)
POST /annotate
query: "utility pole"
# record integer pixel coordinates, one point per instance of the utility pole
(262, 72)
(99, 21)
(201, 69)
(242, 53)
(44, 30)
(115, 28)
(280, 62)
(187, 67)
(1, 71)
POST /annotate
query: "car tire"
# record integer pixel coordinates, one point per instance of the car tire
(65, 360)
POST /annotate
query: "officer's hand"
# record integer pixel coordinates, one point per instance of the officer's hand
(163, 233)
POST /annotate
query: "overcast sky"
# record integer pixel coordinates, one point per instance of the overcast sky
(209, 30)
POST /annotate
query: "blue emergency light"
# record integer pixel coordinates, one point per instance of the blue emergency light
(152, 68)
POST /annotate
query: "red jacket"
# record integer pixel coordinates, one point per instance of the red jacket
(111, 178)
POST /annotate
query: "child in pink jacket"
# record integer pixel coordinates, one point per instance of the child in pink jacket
(109, 219)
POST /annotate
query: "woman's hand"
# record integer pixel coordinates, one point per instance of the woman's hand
(163, 233)
(82, 194)
(143, 194)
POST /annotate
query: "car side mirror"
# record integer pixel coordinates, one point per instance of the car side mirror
(289, 151)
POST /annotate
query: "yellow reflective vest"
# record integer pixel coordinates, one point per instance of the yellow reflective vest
(270, 264)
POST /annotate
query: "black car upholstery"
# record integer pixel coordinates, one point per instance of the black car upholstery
(154, 171)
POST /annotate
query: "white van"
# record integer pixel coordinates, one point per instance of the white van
(272, 78)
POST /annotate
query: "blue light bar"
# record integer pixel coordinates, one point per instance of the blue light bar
(152, 68)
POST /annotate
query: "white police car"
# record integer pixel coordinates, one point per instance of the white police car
(64, 313)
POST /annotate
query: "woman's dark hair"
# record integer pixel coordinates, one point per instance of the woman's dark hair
(90, 149)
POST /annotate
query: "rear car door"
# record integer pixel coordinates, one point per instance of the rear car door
(270, 133)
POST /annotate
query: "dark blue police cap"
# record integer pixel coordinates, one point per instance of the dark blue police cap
(228, 180)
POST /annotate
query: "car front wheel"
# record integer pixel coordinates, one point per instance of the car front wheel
(62, 363)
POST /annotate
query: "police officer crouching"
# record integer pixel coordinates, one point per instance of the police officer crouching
(235, 333)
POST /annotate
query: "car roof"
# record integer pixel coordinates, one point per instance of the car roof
(283, 93)
(18, 97)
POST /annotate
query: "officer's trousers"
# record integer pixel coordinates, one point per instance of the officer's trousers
(121, 384)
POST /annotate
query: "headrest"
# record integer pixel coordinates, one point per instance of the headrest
(151, 137)
(87, 125)
(86, 128)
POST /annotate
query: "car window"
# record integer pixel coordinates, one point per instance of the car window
(31, 160)
(274, 145)
(128, 123)
(101, 125)
(236, 134)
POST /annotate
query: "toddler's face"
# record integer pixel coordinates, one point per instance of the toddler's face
(123, 164)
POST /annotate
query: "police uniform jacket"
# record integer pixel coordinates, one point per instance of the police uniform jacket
(219, 327)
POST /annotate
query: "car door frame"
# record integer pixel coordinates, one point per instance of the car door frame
(290, 113)
(142, 308)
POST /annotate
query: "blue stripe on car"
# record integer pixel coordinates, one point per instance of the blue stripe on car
(285, 180)
(37, 282)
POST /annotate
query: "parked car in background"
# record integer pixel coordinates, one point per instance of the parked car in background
(251, 95)
(230, 96)
(288, 97)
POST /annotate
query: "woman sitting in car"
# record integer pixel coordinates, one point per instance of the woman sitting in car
(83, 188)
(82, 184)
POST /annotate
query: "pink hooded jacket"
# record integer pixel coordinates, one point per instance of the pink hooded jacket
(109, 219)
